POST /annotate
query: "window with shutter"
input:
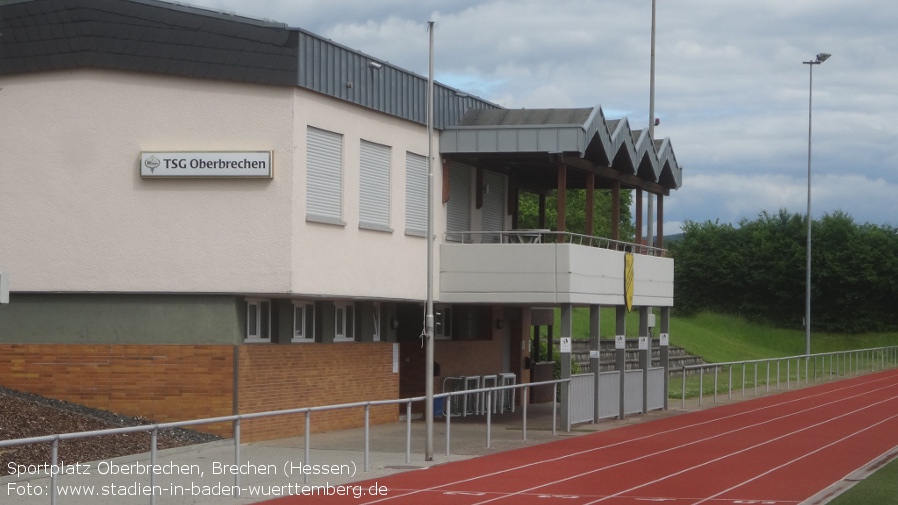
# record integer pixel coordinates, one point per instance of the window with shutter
(458, 210)
(374, 186)
(324, 176)
(415, 194)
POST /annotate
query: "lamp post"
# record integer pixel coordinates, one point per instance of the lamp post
(650, 210)
(807, 302)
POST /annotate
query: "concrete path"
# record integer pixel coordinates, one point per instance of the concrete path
(206, 474)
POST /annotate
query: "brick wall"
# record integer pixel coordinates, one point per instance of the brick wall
(180, 382)
(160, 382)
(275, 377)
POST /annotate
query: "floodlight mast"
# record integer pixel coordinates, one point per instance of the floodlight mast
(650, 210)
(821, 57)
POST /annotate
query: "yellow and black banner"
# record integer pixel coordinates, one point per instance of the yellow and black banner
(628, 281)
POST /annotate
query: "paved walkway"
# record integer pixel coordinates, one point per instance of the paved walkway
(202, 474)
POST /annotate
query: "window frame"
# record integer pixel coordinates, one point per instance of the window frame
(442, 314)
(305, 325)
(376, 321)
(344, 322)
(255, 313)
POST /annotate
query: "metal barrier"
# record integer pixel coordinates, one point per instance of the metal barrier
(307, 411)
(550, 237)
(841, 363)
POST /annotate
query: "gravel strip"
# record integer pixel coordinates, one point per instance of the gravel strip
(24, 415)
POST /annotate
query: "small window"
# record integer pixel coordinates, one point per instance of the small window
(376, 322)
(442, 323)
(344, 322)
(303, 321)
(258, 320)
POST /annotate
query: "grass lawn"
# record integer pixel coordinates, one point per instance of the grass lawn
(722, 338)
(881, 487)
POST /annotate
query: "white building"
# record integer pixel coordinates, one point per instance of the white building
(203, 214)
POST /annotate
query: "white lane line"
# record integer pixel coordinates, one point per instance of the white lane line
(803, 456)
(761, 444)
(663, 433)
(694, 442)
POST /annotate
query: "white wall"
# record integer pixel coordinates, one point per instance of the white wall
(75, 216)
(345, 260)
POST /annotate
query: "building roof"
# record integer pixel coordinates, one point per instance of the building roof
(144, 36)
(156, 36)
(526, 140)
(165, 38)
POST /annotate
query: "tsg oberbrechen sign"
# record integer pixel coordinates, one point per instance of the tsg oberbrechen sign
(245, 164)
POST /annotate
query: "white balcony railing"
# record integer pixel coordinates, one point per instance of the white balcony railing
(541, 236)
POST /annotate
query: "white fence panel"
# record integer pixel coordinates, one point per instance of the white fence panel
(582, 398)
(633, 392)
(656, 389)
(609, 395)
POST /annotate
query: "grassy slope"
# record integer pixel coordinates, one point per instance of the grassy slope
(718, 337)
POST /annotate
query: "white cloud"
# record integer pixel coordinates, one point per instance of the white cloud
(731, 89)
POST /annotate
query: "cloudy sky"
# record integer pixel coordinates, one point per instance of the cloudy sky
(731, 90)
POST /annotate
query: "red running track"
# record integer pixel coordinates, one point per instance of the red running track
(779, 449)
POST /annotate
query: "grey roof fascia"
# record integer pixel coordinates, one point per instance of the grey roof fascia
(523, 138)
(622, 139)
(193, 9)
(669, 159)
(645, 150)
(142, 35)
(333, 69)
(157, 36)
(632, 150)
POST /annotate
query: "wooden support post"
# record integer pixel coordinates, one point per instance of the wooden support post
(590, 203)
(615, 211)
(660, 221)
(638, 216)
(561, 198)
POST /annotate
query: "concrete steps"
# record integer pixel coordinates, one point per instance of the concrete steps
(678, 357)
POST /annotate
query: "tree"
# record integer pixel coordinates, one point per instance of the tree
(757, 270)
(576, 213)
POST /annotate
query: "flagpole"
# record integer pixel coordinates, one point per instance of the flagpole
(428, 317)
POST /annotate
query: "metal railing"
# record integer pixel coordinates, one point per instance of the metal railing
(539, 236)
(841, 363)
(154, 429)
